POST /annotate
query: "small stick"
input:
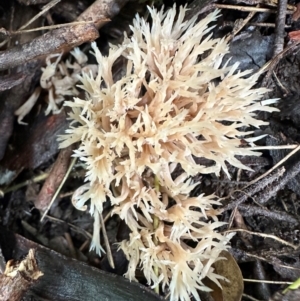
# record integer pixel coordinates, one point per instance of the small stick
(239, 26)
(63, 39)
(60, 187)
(107, 245)
(275, 166)
(265, 236)
(57, 174)
(279, 29)
(250, 9)
(45, 8)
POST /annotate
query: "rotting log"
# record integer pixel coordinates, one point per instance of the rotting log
(68, 279)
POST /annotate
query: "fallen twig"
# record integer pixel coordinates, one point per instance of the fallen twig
(63, 39)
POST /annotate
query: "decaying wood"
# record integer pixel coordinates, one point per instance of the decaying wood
(65, 38)
(56, 175)
(18, 277)
(279, 29)
(69, 279)
(58, 40)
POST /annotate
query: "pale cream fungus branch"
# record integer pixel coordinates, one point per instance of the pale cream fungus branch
(177, 101)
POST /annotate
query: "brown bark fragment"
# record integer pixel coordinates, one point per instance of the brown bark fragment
(56, 175)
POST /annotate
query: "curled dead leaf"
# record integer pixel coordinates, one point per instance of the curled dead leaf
(232, 289)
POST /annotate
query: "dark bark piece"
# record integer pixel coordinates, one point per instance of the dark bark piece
(39, 142)
(13, 98)
(68, 279)
(33, 145)
(18, 277)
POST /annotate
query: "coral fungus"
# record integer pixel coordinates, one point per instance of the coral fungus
(175, 103)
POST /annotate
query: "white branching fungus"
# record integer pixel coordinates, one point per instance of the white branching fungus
(59, 78)
(175, 103)
(28, 105)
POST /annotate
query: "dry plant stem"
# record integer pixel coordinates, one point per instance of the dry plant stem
(265, 236)
(56, 26)
(60, 187)
(267, 281)
(264, 24)
(249, 9)
(155, 226)
(289, 146)
(44, 9)
(54, 179)
(275, 166)
(240, 26)
(36, 179)
(242, 196)
(107, 245)
(283, 88)
(18, 278)
(279, 29)
(75, 228)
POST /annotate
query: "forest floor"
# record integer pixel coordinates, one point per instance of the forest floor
(264, 208)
